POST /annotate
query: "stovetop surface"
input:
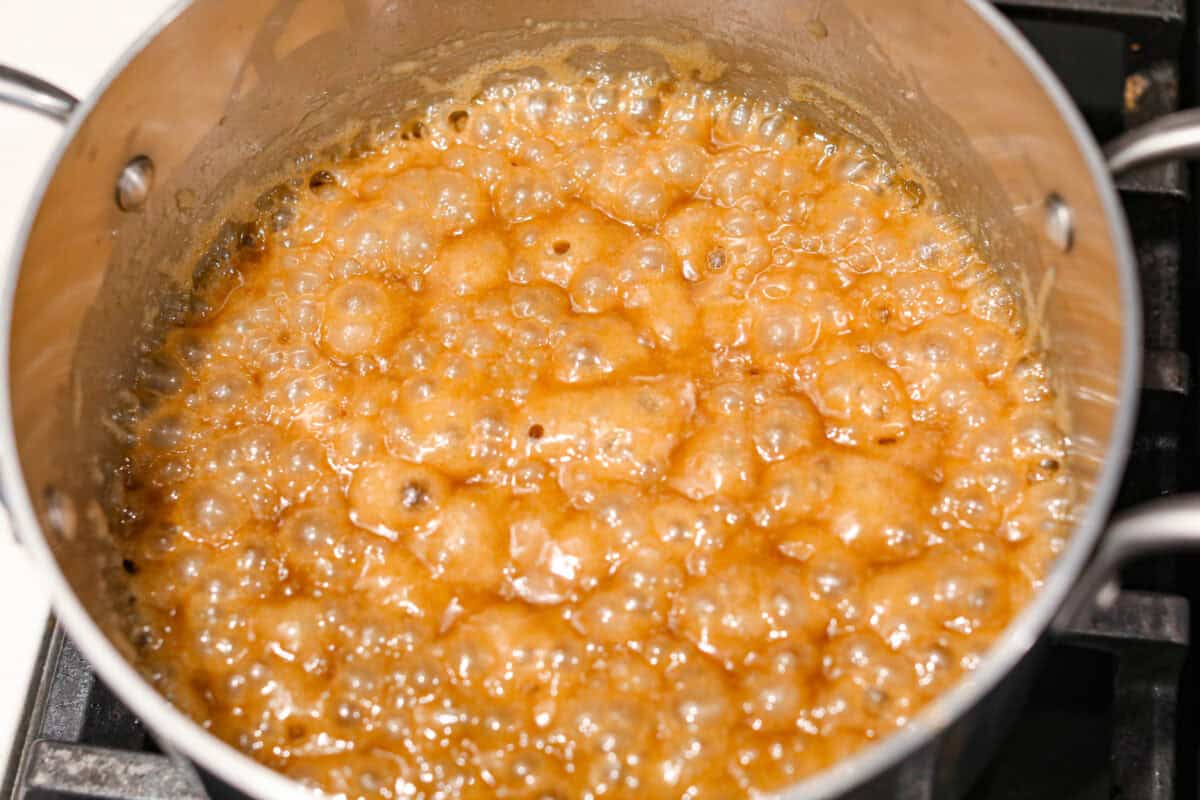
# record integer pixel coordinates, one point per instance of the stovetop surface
(1110, 715)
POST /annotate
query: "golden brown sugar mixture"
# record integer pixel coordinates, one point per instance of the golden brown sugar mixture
(606, 440)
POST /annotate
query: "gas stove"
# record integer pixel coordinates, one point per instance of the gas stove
(1111, 713)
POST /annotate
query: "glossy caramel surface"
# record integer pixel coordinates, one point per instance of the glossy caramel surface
(607, 440)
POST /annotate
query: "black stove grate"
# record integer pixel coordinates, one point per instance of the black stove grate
(1110, 715)
(79, 741)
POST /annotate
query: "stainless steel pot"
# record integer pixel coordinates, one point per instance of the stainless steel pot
(221, 95)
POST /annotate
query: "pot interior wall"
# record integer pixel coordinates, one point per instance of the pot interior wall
(231, 95)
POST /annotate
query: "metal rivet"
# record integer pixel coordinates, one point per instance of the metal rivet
(1060, 222)
(58, 512)
(134, 182)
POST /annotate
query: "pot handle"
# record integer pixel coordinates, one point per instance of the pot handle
(1166, 525)
(28, 91)
(1162, 525)
(1167, 138)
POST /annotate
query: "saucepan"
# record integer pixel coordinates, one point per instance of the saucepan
(220, 96)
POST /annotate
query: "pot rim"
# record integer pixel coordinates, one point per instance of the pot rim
(178, 732)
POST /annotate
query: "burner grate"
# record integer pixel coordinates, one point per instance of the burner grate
(79, 741)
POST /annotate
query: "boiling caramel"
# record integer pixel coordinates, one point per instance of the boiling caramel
(626, 439)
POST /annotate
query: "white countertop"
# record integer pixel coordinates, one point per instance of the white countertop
(70, 43)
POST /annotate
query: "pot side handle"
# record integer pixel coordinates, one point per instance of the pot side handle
(1167, 525)
(1167, 138)
(31, 92)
